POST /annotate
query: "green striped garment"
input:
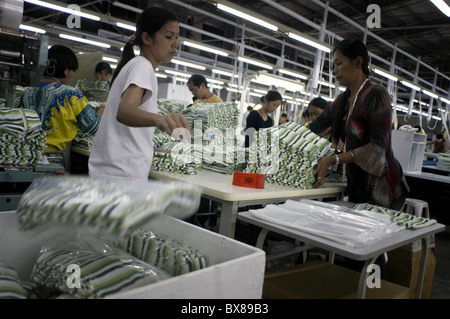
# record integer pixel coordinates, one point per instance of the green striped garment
(10, 284)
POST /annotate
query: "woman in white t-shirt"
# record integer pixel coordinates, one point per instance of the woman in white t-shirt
(123, 147)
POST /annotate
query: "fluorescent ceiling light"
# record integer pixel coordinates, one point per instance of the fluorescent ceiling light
(429, 93)
(385, 74)
(191, 65)
(106, 58)
(126, 26)
(410, 85)
(177, 73)
(113, 66)
(233, 90)
(255, 94)
(247, 17)
(70, 37)
(257, 63)
(215, 81)
(270, 79)
(63, 9)
(205, 48)
(309, 42)
(294, 74)
(224, 73)
(445, 100)
(327, 84)
(160, 75)
(126, 6)
(441, 5)
(30, 28)
(260, 91)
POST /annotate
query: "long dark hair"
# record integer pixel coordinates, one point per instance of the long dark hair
(350, 49)
(150, 20)
(272, 96)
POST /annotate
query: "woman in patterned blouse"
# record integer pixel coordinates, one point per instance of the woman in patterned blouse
(361, 118)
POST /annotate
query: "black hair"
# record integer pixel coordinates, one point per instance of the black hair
(197, 80)
(59, 59)
(103, 66)
(439, 136)
(318, 102)
(271, 96)
(151, 21)
(249, 108)
(283, 115)
(305, 113)
(350, 48)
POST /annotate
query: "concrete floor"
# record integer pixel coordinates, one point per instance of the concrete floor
(441, 282)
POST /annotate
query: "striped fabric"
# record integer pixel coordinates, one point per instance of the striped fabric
(10, 284)
(101, 274)
(287, 154)
(221, 116)
(165, 253)
(111, 207)
(404, 219)
(22, 140)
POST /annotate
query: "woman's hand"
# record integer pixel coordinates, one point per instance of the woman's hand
(321, 169)
(175, 124)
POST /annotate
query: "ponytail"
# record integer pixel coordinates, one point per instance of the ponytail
(127, 55)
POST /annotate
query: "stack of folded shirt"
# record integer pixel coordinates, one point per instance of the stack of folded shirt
(83, 140)
(404, 219)
(94, 89)
(167, 106)
(287, 154)
(10, 284)
(22, 139)
(222, 116)
(180, 159)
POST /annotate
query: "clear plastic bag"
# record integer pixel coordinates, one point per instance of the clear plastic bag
(113, 207)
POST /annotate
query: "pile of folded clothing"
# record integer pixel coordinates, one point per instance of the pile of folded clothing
(22, 138)
(287, 154)
(167, 106)
(222, 116)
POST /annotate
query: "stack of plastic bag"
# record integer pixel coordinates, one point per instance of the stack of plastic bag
(287, 154)
(22, 139)
(111, 207)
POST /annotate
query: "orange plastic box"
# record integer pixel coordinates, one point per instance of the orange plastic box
(248, 179)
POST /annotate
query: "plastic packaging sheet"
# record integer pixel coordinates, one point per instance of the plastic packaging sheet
(113, 207)
(341, 226)
(102, 269)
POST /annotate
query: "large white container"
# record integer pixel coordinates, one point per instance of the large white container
(409, 149)
(236, 270)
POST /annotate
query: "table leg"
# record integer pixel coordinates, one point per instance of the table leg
(228, 217)
(423, 264)
(261, 238)
(361, 293)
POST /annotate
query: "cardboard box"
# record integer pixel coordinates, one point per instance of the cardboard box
(403, 268)
(236, 270)
(323, 280)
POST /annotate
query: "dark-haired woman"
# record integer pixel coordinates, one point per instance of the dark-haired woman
(361, 118)
(258, 119)
(123, 146)
(63, 109)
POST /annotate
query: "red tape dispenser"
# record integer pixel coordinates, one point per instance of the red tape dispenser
(248, 179)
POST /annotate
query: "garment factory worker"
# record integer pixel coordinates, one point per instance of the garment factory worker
(198, 85)
(283, 118)
(316, 106)
(439, 144)
(103, 71)
(123, 146)
(258, 119)
(244, 118)
(361, 118)
(306, 117)
(63, 109)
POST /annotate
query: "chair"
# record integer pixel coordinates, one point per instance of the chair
(416, 207)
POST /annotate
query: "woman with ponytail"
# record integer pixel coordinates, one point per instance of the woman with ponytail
(361, 118)
(123, 146)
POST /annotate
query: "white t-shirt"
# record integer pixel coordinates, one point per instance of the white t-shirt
(121, 151)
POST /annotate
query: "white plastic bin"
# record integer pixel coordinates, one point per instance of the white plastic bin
(236, 270)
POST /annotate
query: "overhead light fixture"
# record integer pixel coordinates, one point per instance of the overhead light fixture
(205, 48)
(215, 81)
(63, 9)
(30, 28)
(160, 75)
(294, 74)
(431, 94)
(70, 37)
(441, 5)
(188, 64)
(445, 100)
(271, 79)
(224, 73)
(177, 73)
(410, 85)
(257, 63)
(126, 6)
(385, 74)
(106, 58)
(309, 42)
(247, 17)
(126, 26)
(327, 84)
